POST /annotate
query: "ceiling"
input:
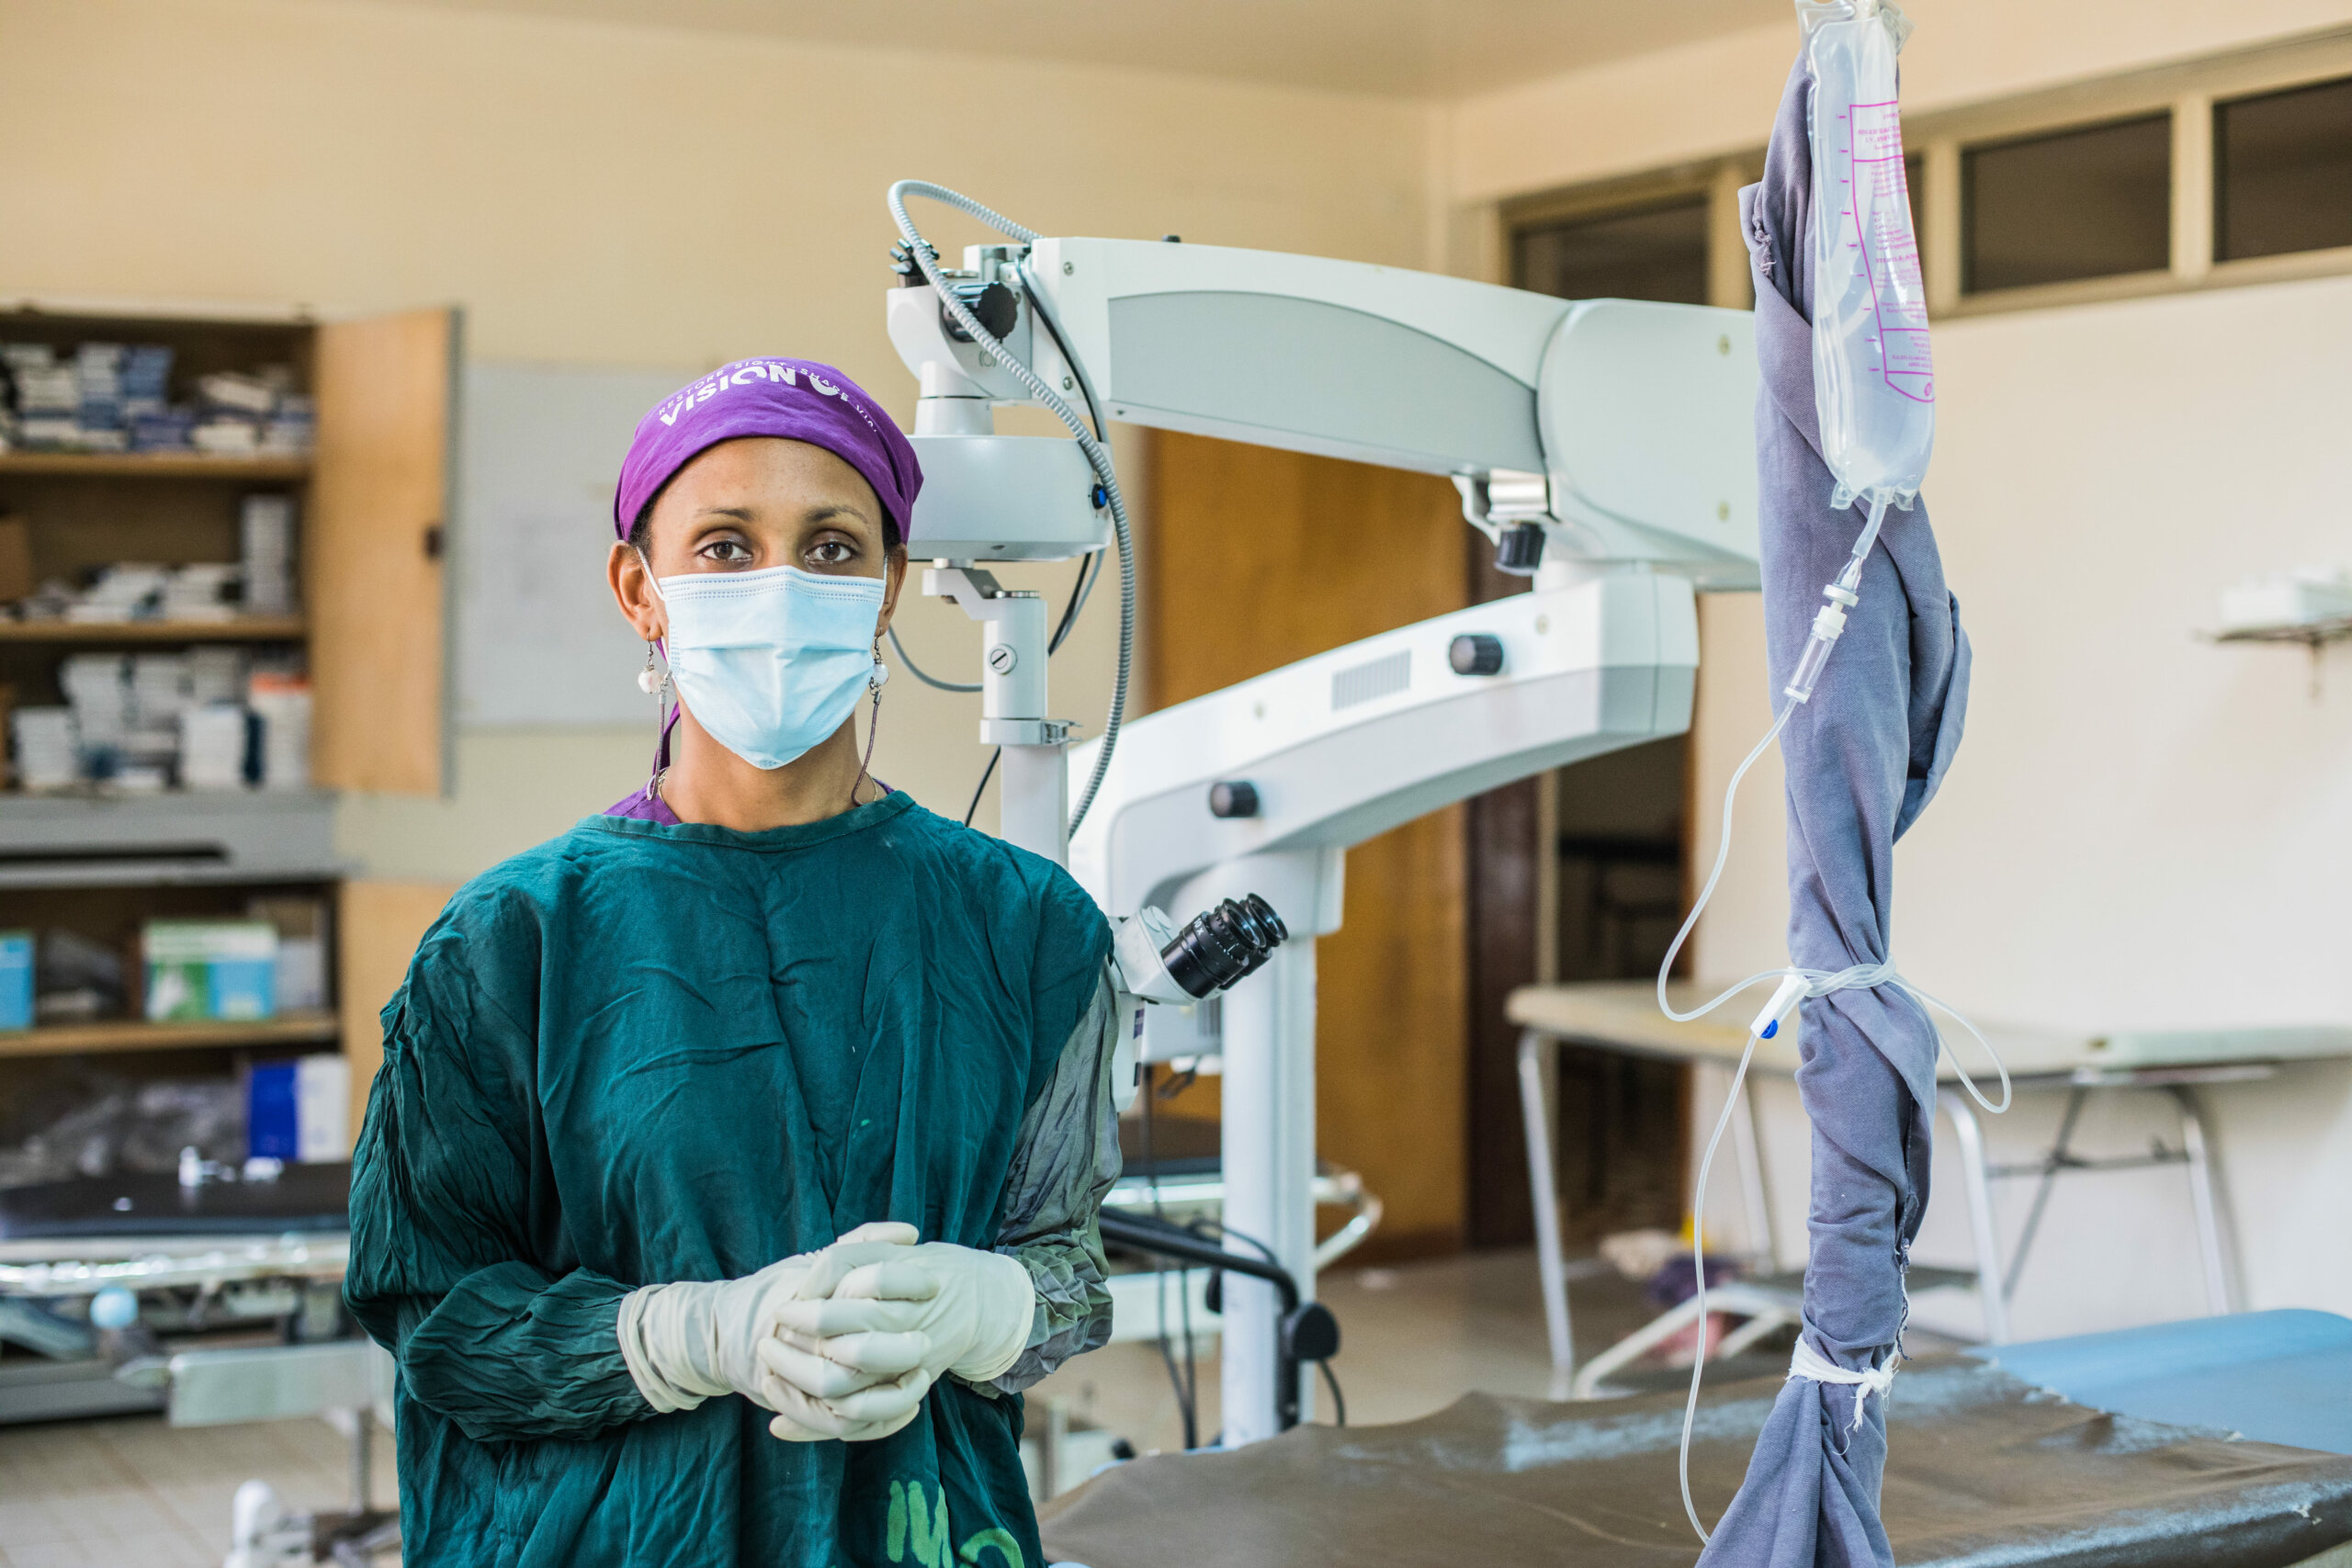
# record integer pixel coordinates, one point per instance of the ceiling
(1405, 48)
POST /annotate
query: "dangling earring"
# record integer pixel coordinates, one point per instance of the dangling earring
(874, 680)
(655, 684)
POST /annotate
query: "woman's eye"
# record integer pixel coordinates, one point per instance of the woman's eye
(727, 551)
(831, 552)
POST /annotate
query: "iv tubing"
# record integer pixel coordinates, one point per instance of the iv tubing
(1815, 982)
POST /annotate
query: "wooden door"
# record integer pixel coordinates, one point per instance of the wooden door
(1253, 558)
(379, 925)
(373, 550)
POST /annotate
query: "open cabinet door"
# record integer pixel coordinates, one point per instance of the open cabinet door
(373, 539)
(380, 925)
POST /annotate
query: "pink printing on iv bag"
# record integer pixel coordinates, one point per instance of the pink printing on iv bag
(1890, 251)
(1874, 383)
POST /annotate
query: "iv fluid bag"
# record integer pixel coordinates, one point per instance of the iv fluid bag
(1873, 384)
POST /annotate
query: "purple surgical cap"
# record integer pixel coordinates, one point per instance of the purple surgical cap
(796, 399)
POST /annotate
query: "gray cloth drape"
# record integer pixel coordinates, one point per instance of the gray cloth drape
(1864, 758)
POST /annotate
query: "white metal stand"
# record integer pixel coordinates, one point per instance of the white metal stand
(1035, 813)
(1269, 1159)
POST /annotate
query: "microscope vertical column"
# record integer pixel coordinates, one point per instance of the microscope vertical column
(1268, 1162)
(1035, 813)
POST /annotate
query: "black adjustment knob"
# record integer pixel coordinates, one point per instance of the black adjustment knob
(1233, 798)
(993, 303)
(1310, 1332)
(1519, 549)
(1476, 653)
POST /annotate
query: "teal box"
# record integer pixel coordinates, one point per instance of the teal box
(15, 979)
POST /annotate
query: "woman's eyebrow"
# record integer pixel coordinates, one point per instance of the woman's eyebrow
(741, 513)
(835, 509)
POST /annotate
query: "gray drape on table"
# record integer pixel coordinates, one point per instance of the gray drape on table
(1863, 758)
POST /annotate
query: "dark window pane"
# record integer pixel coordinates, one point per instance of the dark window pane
(1658, 253)
(1915, 181)
(2091, 203)
(2282, 168)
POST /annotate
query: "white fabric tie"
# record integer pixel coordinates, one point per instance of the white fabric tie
(1814, 1367)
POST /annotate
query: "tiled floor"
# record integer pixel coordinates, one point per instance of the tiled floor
(1413, 1339)
(130, 1491)
(134, 1492)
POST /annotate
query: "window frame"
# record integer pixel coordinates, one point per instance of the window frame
(2218, 102)
(2187, 89)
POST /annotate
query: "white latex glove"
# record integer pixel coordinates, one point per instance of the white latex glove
(863, 1309)
(688, 1342)
(876, 1382)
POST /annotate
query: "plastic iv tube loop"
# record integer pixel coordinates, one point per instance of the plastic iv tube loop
(1819, 981)
(1699, 1266)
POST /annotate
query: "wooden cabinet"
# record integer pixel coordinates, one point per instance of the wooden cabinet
(376, 533)
(368, 624)
(1254, 558)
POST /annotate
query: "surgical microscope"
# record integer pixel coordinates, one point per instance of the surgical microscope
(1603, 446)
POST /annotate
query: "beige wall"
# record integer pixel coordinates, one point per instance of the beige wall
(2141, 829)
(1710, 99)
(606, 195)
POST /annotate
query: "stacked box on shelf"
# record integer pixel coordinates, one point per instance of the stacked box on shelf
(155, 425)
(49, 747)
(146, 381)
(301, 927)
(290, 428)
(234, 408)
(97, 688)
(281, 701)
(214, 741)
(298, 1112)
(215, 729)
(210, 969)
(98, 374)
(127, 591)
(265, 532)
(48, 397)
(16, 980)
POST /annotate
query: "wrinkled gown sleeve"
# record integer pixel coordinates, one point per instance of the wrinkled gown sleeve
(454, 1269)
(1065, 1159)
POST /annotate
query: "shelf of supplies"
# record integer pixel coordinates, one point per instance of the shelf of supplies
(156, 465)
(72, 1039)
(244, 628)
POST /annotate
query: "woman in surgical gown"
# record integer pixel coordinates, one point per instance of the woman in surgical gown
(641, 1078)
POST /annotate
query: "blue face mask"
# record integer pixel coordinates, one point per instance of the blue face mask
(772, 662)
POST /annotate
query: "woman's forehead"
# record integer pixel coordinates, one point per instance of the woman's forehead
(777, 478)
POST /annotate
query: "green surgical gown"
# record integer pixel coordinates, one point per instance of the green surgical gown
(642, 1053)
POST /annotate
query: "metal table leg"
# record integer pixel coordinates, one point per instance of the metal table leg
(1538, 1068)
(2061, 1155)
(1976, 1182)
(2220, 1297)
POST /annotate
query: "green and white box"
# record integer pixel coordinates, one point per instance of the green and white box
(211, 969)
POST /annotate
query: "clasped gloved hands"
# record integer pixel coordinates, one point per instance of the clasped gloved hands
(695, 1340)
(843, 1343)
(872, 1324)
